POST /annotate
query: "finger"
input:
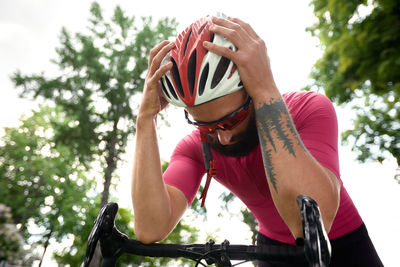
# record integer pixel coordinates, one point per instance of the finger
(162, 70)
(232, 31)
(226, 23)
(153, 79)
(245, 26)
(158, 57)
(220, 50)
(154, 51)
(228, 29)
(234, 36)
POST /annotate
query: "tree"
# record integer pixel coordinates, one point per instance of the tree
(361, 65)
(42, 181)
(45, 186)
(100, 73)
(11, 242)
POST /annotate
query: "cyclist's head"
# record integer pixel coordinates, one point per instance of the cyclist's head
(198, 76)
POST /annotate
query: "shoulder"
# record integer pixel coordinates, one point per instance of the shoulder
(299, 99)
(192, 139)
(305, 105)
(189, 146)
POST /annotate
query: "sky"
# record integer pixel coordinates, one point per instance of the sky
(29, 34)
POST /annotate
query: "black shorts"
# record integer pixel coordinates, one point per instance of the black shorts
(354, 249)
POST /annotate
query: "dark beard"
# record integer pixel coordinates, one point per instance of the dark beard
(247, 141)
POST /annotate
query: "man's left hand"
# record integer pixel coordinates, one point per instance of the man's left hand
(251, 56)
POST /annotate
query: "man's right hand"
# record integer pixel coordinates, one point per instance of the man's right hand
(157, 206)
(153, 101)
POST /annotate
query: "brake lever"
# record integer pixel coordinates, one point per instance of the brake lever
(103, 224)
(316, 242)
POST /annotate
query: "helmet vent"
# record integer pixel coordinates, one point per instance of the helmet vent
(203, 79)
(171, 89)
(212, 38)
(177, 79)
(220, 71)
(192, 72)
(202, 28)
(187, 41)
(163, 87)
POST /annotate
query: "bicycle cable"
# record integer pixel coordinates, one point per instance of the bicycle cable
(205, 257)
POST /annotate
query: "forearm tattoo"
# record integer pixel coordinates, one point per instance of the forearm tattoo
(276, 131)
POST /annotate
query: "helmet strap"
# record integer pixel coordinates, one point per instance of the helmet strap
(210, 165)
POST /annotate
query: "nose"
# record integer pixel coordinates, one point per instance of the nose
(225, 137)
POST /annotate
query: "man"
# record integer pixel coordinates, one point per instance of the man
(266, 148)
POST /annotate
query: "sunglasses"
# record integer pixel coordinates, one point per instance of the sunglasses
(227, 122)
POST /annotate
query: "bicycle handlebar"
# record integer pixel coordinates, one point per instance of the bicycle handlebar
(113, 243)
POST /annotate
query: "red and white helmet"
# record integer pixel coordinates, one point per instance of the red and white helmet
(197, 75)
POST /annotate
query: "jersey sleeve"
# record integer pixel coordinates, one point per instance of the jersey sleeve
(316, 122)
(186, 168)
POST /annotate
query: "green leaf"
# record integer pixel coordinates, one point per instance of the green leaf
(360, 61)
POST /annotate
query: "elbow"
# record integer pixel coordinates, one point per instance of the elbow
(328, 220)
(147, 232)
(332, 207)
(145, 239)
(148, 237)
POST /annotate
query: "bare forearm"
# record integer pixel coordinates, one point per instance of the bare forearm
(150, 197)
(290, 168)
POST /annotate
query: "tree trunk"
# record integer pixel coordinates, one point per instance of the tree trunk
(46, 244)
(111, 165)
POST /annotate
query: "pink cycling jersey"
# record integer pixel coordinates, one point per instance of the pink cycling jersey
(315, 119)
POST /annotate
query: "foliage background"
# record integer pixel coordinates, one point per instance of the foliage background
(360, 66)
